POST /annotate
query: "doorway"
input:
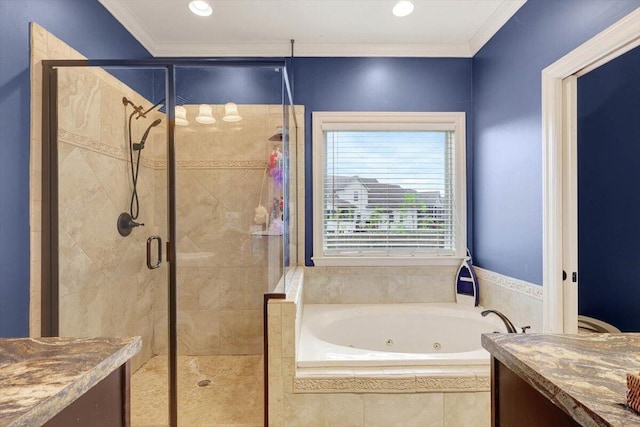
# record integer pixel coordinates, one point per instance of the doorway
(559, 105)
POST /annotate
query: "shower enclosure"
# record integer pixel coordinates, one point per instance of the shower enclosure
(166, 214)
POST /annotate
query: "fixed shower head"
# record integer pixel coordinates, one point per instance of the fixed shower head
(140, 146)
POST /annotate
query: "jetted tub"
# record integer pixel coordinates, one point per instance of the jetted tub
(436, 334)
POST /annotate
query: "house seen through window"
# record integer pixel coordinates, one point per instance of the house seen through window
(388, 185)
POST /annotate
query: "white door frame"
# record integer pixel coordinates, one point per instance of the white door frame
(559, 170)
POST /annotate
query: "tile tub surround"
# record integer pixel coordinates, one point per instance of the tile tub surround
(401, 396)
(39, 377)
(583, 374)
(379, 285)
(519, 300)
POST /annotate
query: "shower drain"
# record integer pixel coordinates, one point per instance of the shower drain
(204, 383)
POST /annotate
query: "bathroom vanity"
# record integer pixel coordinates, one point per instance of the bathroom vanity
(562, 380)
(65, 381)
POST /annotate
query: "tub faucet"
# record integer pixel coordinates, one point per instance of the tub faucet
(507, 323)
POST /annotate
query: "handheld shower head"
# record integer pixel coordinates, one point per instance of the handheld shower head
(140, 146)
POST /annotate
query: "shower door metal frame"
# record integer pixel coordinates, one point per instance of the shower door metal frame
(49, 251)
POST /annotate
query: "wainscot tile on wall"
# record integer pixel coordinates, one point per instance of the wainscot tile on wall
(519, 300)
(467, 409)
(402, 410)
(323, 410)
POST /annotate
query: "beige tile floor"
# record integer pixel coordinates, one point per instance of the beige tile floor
(233, 398)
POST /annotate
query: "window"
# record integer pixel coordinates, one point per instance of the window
(408, 172)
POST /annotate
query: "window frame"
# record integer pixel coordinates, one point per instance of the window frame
(389, 121)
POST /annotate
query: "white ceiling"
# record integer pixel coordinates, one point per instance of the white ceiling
(259, 28)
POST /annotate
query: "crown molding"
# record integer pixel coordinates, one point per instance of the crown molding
(500, 17)
(131, 24)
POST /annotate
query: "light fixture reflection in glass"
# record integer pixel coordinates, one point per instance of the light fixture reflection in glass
(181, 116)
(278, 135)
(231, 113)
(205, 115)
(403, 8)
(200, 7)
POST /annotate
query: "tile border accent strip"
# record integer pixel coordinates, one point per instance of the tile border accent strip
(214, 164)
(120, 154)
(517, 285)
(406, 383)
(91, 144)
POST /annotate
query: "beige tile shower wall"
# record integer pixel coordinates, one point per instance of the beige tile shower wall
(105, 287)
(374, 285)
(43, 46)
(95, 299)
(224, 269)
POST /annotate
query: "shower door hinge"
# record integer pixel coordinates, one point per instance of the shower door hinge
(574, 277)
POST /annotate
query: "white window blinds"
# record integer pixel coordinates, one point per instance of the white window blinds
(388, 192)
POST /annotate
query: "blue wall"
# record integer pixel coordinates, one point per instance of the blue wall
(507, 169)
(90, 29)
(378, 84)
(219, 85)
(609, 192)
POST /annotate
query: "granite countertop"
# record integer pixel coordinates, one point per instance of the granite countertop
(39, 377)
(583, 374)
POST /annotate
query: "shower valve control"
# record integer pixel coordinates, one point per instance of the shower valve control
(126, 224)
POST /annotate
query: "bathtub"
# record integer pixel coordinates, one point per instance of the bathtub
(352, 335)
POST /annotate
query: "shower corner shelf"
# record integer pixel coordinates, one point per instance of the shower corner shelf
(265, 233)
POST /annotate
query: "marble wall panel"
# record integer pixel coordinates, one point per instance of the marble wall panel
(379, 285)
(519, 300)
(241, 332)
(402, 410)
(219, 183)
(467, 409)
(105, 286)
(323, 410)
(199, 332)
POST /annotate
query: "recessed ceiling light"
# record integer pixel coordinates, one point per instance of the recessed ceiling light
(403, 8)
(200, 7)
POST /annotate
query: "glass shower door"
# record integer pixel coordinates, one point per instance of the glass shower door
(110, 149)
(125, 181)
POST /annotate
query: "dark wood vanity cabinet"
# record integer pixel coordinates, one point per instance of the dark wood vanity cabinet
(104, 405)
(514, 403)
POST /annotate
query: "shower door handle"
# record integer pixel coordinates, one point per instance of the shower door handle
(159, 259)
